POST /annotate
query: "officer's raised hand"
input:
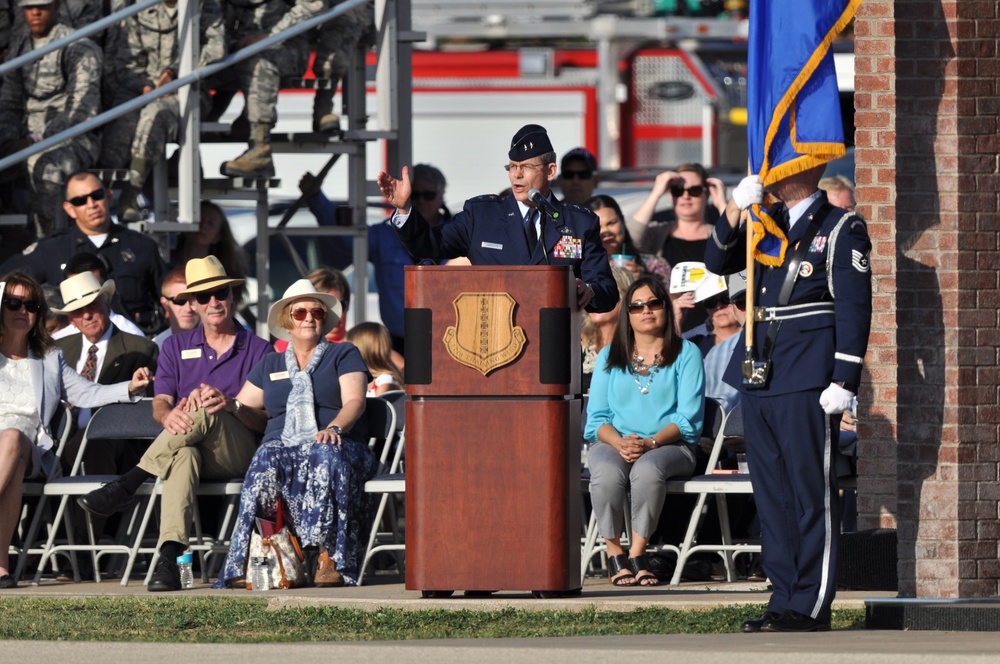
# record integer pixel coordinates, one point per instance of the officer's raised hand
(397, 192)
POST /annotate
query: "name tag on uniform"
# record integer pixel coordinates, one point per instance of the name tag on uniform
(280, 375)
(492, 245)
(568, 247)
(191, 354)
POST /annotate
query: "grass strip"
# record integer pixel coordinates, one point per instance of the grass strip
(225, 620)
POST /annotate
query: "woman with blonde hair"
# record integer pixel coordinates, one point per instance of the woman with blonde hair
(375, 344)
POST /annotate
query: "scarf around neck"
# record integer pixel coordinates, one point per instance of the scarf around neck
(300, 413)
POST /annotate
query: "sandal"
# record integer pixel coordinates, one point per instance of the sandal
(617, 565)
(640, 570)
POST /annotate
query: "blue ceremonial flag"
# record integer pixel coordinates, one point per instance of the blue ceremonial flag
(793, 105)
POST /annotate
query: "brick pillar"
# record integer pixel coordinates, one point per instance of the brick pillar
(926, 132)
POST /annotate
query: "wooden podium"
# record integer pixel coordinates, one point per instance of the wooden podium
(492, 429)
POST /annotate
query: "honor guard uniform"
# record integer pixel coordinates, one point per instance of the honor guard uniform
(491, 230)
(812, 318)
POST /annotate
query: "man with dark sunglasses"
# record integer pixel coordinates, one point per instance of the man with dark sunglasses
(180, 311)
(578, 176)
(133, 259)
(206, 431)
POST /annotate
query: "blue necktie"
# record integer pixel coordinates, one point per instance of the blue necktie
(529, 230)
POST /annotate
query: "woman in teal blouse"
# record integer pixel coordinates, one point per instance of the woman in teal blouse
(647, 401)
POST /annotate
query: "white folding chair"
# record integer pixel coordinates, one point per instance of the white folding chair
(718, 485)
(387, 484)
(120, 421)
(62, 427)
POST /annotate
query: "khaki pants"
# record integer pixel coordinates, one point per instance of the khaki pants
(218, 447)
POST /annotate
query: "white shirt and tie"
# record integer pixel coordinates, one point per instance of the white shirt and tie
(102, 350)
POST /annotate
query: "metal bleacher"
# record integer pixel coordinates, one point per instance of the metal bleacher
(177, 209)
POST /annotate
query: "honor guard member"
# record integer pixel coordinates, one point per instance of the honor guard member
(812, 318)
(515, 230)
(133, 259)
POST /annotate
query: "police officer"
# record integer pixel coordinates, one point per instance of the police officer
(133, 259)
(149, 60)
(510, 231)
(59, 91)
(813, 316)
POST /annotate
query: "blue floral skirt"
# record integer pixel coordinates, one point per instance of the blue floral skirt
(323, 487)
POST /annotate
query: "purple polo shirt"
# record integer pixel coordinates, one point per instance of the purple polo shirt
(186, 362)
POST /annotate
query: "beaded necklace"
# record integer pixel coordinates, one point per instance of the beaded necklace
(639, 365)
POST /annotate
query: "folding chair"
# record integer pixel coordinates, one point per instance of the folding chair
(718, 485)
(62, 426)
(387, 484)
(120, 421)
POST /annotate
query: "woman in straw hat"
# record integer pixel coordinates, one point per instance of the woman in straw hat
(34, 377)
(314, 453)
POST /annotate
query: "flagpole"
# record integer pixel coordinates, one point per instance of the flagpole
(750, 282)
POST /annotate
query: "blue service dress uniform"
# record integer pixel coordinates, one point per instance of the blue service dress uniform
(490, 231)
(822, 338)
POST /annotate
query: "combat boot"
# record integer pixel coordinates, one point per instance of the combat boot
(130, 209)
(131, 206)
(256, 161)
(324, 119)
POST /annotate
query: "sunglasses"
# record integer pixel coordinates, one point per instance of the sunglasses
(713, 302)
(317, 314)
(178, 301)
(741, 303)
(577, 175)
(654, 305)
(695, 191)
(79, 201)
(15, 304)
(423, 195)
(206, 297)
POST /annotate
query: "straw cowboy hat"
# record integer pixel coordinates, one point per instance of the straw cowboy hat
(81, 289)
(206, 274)
(303, 288)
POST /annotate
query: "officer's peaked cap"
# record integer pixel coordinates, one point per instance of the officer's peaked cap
(529, 141)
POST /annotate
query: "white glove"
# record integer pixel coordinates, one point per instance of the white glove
(836, 399)
(750, 190)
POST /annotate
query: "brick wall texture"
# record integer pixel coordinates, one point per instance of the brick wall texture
(927, 108)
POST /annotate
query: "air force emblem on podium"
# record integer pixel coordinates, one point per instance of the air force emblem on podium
(484, 336)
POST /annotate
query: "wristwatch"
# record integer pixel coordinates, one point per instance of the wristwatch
(238, 406)
(336, 429)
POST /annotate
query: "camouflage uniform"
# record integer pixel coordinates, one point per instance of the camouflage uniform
(50, 95)
(150, 48)
(259, 77)
(338, 41)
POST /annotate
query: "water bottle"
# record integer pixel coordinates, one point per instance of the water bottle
(184, 565)
(260, 573)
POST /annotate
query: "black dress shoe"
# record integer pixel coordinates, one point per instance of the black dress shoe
(793, 621)
(753, 625)
(110, 498)
(167, 577)
(7, 581)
